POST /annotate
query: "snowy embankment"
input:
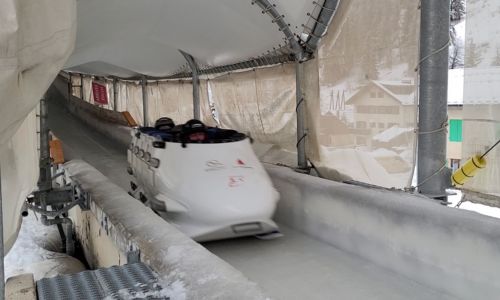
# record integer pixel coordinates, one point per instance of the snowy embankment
(36, 251)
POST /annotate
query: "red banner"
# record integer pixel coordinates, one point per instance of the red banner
(100, 93)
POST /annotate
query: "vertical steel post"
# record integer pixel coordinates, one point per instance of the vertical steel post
(145, 104)
(434, 37)
(196, 83)
(115, 94)
(81, 86)
(2, 252)
(45, 177)
(70, 87)
(300, 110)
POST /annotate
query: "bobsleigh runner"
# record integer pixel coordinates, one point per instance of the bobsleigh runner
(206, 181)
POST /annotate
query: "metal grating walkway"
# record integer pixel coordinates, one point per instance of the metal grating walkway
(110, 283)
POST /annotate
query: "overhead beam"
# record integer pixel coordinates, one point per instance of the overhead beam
(325, 16)
(433, 100)
(279, 20)
(196, 83)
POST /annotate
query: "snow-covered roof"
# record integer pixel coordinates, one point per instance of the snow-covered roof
(403, 90)
(391, 133)
(456, 87)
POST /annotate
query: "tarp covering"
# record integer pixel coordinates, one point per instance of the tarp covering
(128, 37)
(481, 110)
(171, 98)
(258, 102)
(360, 91)
(19, 172)
(367, 86)
(36, 38)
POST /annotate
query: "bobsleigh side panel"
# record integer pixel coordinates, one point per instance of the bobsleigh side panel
(223, 189)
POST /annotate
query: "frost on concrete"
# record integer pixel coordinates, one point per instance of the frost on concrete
(410, 235)
(160, 290)
(34, 252)
(174, 256)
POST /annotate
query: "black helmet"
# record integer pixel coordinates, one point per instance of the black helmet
(164, 123)
(193, 126)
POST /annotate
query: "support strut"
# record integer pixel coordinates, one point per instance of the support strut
(196, 83)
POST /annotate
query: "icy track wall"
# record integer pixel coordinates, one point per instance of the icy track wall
(451, 250)
(118, 224)
(108, 122)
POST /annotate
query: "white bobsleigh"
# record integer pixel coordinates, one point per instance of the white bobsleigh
(210, 190)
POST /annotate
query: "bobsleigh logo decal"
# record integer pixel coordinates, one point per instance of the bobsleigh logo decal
(241, 164)
(214, 165)
(235, 181)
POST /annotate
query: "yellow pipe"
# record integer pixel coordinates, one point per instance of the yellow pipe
(468, 170)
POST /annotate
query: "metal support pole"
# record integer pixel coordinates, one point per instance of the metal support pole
(145, 104)
(196, 83)
(45, 179)
(70, 87)
(300, 110)
(2, 252)
(115, 94)
(434, 38)
(81, 86)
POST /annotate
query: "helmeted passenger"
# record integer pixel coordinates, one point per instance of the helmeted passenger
(164, 123)
(194, 131)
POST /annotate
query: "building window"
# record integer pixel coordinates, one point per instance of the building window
(380, 94)
(360, 141)
(373, 125)
(379, 110)
(455, 130)
(361, 125)
(454, 164)
(381, 125)
(392, 125)
(373, 94)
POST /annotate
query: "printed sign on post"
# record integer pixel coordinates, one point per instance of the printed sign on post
(100, 93)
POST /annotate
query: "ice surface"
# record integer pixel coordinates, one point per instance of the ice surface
(299, 267)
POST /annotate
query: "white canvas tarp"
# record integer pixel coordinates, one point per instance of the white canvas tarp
(37, 37)
(367, 87)
(172, 99)
(128, 38)
(481, 110)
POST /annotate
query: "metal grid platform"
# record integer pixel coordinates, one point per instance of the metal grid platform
(100, 284)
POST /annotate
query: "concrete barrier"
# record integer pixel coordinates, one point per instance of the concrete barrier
(451, 250)
(133, 228)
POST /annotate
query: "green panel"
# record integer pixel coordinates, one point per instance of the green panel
(455, 130)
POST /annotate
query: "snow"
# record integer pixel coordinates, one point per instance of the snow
(29, 253)
(479, 208)
(160, 290)
(391, 133)
(359, 165)
(456, 87)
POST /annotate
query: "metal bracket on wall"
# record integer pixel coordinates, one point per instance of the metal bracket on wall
(133, 256)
